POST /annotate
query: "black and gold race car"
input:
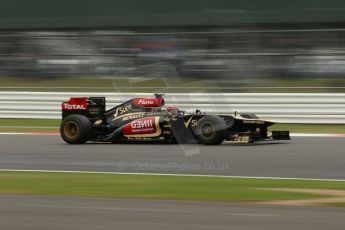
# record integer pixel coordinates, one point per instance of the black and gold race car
(146, 119)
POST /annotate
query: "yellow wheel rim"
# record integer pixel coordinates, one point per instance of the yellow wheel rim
(207, 130)
(71, 129)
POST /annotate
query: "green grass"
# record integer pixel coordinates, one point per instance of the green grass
(29, 125)
(337, 204)
(30, 122)
(156, 187)
(28, 130)
(311, 128)
(50, 125)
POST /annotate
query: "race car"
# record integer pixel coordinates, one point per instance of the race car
(146, 119)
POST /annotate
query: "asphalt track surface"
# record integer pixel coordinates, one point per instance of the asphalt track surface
(306, 157)
(36, 213)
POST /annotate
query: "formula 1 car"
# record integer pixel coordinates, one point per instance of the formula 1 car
(144, 119)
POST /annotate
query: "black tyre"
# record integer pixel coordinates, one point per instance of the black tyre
(75, 129)
(210, 130)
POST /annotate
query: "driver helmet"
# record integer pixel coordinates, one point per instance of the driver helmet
(173, 109)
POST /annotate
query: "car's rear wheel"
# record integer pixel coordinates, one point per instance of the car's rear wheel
(210, 130)
(75, 129)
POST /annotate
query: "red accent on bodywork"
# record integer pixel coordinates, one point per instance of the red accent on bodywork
(172, 108)
(144, 125)
(75, 103)
(148, 102)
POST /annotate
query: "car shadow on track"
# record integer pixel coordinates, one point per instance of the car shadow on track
(265, 143)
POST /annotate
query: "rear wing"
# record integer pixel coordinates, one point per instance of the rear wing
(88, 106)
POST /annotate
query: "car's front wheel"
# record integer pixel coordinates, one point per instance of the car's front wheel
(75, 129)
(210, 130)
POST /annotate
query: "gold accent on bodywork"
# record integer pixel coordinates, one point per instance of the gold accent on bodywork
(98, 122)
(253, 122)
(269, 133)
(243, 139)
(186, 124)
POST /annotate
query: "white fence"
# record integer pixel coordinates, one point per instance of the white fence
(279, 107)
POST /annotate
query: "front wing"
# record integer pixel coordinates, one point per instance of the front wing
(250, 137)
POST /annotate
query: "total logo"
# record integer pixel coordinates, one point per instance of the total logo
(73, 107)
(145, 102)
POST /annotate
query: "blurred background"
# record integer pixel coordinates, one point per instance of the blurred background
(222, 45)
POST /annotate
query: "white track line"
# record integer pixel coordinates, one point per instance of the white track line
(23, 133)
(171, 174)
(292, 134)
(316, 135)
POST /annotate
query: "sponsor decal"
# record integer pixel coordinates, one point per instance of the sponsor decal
(132, 116)
(186, 123)
(143, 127)
(123, 109)
(191, 122)
(148, 102)
(145, 102)
(75, 103)
(73, 107)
